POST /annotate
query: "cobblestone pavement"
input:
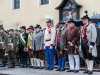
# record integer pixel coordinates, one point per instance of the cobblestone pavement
(29, 71)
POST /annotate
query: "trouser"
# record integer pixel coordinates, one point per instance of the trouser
(2, 55)
(88, 56)
(11, 56)
(31, 54)
(39, 54)
(17, 56)
(32, 57)
(74, 65)
(24, 61)
(85, 50)
(97, 60)
(61, 57)
(38, 59)
(50, 56)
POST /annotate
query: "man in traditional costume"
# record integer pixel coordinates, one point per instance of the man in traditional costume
(88, 36)
(72, 37)
(60, 43)
(49, 38)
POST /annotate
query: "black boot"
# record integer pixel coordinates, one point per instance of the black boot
(90, 72)
(58, 69)
(23, 63)
(3, 64)
(41, 67)
(86, 71)
(12, 65)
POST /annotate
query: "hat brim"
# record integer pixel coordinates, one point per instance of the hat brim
(48, 22)
(30, 28)
(37, 27)
(86, 18)
(61, 23)
(22, 28)
(72, 22)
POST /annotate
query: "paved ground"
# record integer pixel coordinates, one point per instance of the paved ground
(28, 71)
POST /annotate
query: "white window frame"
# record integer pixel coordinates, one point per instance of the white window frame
(12, 5)
(39, 3)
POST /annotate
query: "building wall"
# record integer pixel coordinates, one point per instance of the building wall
(32, 14)
(29, 14)
(90, 6)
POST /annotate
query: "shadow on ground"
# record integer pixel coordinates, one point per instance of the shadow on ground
(4, 74)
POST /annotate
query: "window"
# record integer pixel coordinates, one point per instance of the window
(44, 2)
(15, 4)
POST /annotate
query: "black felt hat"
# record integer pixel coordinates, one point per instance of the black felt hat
(11, 30)
(86, 15)
(61, 22)
(71, 20)
(48, 21)
(31, 27)
(38, 26)
(23, 27)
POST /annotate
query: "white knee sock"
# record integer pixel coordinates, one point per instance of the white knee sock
(31, 59)
(38, 62)
(42, 63)
(35, 61)
(87, 63)
(91, 65)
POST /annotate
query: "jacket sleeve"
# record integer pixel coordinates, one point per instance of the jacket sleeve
(5, 37)
(42, 37)
(77, 36)
(93, 35)
(66, 39)
(14, 42)
(33, 41)
(53, 32)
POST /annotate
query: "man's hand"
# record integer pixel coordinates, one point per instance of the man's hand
(51, 47)
(40, 48)
(44, 47)
(65, 49)
(70, 43)
(91, 47)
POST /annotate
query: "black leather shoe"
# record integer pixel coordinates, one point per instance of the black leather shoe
(21, 66)
(85, 71)
(3, 64)
(90, 72)
(25, 66)
(11, 66)
(47, 69)
(41, 67)
(36, 67)
(70, 71)
(58, 69)
(31, 67)
(76, 71)
(62, 69)
(50, 69)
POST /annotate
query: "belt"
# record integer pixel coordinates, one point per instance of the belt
(48, 40)
(84, 40)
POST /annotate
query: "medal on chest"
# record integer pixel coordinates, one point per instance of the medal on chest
(60, 52)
